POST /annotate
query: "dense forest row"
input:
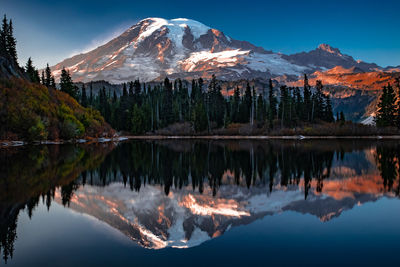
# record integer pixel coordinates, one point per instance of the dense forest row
(142, 108)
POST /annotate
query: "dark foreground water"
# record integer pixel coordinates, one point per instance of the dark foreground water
(201, 203)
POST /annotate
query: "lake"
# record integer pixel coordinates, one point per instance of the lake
(201, 202)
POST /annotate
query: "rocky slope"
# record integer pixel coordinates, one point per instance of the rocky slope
(184, 48)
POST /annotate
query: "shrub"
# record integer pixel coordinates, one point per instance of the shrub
(37, 131)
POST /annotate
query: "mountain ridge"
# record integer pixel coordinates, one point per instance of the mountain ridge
(184, 48)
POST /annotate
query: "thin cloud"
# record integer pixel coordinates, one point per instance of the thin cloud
(104, 38)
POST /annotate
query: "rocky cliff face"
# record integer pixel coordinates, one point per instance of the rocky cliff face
(9, 69)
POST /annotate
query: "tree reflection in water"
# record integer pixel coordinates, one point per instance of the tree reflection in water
(31, 174)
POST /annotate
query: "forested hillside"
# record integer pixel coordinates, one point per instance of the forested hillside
(31, 111)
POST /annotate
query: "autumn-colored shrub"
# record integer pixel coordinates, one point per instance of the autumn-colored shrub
(30, 111)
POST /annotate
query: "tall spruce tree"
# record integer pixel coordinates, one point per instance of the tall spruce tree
(247, 104)
(167, 114)
(66, 83)
(43, 79)
(318, 102)
(272, 112)
(235, 117)
(328, 112)
(84, 100)
(91, 100)
(11, 42)
(307, 100)
(48, 76)
(31, 71)
(398, 102)
(3, 37)
(386, 114)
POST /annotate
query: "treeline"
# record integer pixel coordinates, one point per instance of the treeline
(142, 108)
(388, 114)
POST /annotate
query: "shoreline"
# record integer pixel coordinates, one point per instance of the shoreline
(16, 143)
(259, 137)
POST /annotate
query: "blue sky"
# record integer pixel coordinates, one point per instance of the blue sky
(50, 31)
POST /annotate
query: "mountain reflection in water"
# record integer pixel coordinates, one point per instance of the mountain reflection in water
(182, 193)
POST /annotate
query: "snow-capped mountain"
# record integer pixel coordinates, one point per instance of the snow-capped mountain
(156, 47)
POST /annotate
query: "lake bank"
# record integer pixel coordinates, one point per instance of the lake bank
(15, 143)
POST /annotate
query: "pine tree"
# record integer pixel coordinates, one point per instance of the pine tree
(167, 112)
(137, 93)
(272, 112)
(84, 100)
(260, 117)
(284, 107)
(386, 114)
(318, 102)
(115, 98)
(91, 95)
(52, 82)
(66, 84)
(235, 105)
(200, 117)
(31, 71)
(299, 104)
(307, 100)
(398, 102)
(48, 76)
(3, 37)
(11, 42)
(328, 113)
(43, 79)
(342, 118)
(247, 104)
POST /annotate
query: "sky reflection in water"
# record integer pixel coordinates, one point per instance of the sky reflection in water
(104, 203)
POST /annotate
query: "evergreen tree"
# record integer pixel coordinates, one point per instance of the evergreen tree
(200, 117)
(307, 100)
(137, 93)
(342, 118)
(235, 105)
(247, 104)
(3, 37)
(328, 112)
(91, 100)
(398, 102)
(215, 105)
(43, 79)
(115, 98)
(66, 84)
(53, 82)
(167, 115)
(272, 112)
(31, 71)
(284, 107)
(84, 100)
(11, 42)
(386, 114)
(137, 120)
(299, 104)
(260, 113)
(48, 76)
(318, 102)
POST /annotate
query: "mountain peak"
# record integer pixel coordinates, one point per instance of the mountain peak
(329, 49)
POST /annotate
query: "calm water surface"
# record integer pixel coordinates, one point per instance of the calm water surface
(196, 203)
